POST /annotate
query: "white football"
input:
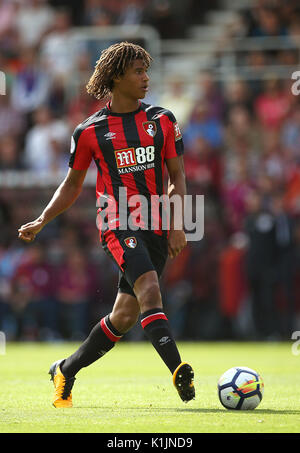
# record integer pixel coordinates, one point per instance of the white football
(240, 388)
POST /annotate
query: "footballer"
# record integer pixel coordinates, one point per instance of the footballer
(130, 142)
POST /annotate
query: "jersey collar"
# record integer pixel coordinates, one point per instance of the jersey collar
(122, 114)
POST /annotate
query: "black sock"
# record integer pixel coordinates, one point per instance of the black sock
(101, 339)
(156, 327)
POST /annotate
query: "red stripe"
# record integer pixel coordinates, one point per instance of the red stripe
(108, 332)
(83, 155)
(104, 183)
(150, 176)
(152, 318)
(127, 179)
(115, 248)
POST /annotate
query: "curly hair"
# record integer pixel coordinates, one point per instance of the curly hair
(113, 63)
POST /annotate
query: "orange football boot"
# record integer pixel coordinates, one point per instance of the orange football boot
(183, 379)
(62, 386)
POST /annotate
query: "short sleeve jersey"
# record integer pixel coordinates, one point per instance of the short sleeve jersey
(130, 150)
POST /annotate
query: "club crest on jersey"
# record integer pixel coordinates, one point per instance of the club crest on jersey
(150, 128)
(131, 242)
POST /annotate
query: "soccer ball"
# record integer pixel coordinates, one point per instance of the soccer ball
(240, 388)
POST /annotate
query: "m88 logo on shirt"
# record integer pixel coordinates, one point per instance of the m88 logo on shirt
(135, 159)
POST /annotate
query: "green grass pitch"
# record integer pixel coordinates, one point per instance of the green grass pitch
(130, 390)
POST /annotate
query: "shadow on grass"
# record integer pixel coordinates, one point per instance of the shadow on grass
(195, 410)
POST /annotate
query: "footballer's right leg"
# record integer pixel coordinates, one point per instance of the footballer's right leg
(158, 331)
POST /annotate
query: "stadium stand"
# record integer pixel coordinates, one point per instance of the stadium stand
(225, 70)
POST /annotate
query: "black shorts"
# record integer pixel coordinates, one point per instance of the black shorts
(135, 252)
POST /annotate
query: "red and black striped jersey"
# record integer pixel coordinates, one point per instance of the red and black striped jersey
(129, 150)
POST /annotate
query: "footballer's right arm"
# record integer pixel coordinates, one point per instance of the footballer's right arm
(63, 198)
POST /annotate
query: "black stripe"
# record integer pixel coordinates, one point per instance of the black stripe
(76, 134)
(133, 139)
(111, 327)
(152, 311)
(108, 153)
(158, 141)
(158, 144)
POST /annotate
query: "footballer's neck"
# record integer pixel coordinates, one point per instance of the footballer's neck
(123, 104)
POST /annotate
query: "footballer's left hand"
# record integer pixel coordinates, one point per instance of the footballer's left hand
(176, 242)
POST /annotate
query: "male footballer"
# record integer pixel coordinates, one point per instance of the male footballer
(130, 142)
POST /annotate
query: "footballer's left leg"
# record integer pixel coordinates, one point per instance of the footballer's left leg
(101, 339)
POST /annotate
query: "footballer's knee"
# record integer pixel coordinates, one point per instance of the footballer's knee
(147, 291)
(125, 313)
(124, 321)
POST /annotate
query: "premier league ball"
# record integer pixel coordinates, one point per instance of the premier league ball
(240, 388)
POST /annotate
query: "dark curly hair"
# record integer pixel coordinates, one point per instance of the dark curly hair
(113, 63)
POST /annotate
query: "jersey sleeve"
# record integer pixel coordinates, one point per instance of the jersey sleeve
(81, 153)
(174, 143)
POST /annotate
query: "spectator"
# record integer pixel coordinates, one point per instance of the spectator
(31, 86)
(160, 15)
(268, 23)
(131, 13)
(8, 10)
(272, 106)
(203, 168)
(290, 133)
(203, 126)
(285, 262)
(208, 91)
(232, 285)
(11, 120)
(9, 153)
(46, 143)
(58, 50)
(39, 312)
(237, 94)
(261, 259)
(34, 20)
(177, 99)
(74, 294)
(235, 192)
(96, 11)
(9, 38)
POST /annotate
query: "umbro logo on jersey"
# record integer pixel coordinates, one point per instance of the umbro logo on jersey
(110, 135)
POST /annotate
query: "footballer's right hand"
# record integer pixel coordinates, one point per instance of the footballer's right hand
(28, 231)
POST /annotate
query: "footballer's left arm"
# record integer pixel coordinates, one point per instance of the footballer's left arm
(176, 186)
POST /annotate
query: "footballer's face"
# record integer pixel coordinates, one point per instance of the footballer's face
(135, 82)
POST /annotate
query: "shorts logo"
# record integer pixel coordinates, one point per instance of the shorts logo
(125, 157)
(150, 128)
(131, 242)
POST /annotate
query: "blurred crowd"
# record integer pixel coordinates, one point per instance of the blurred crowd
(242, 151)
